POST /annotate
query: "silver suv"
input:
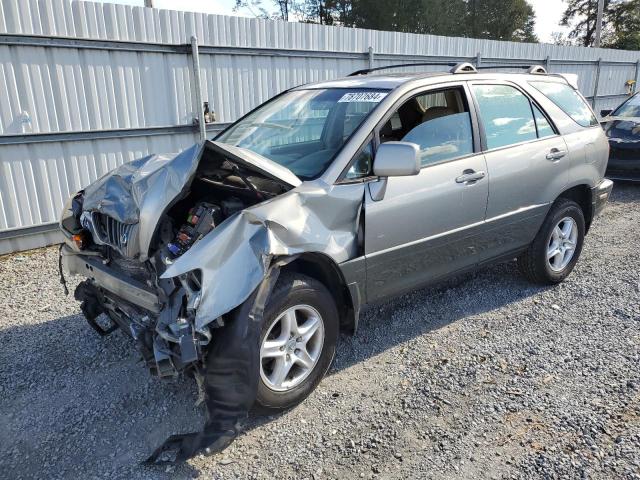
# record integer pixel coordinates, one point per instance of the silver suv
(240, 259)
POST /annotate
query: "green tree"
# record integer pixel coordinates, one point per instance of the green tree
(625, 25)
(493, 19)
(620, 23)
(582, 16)
(512, 20)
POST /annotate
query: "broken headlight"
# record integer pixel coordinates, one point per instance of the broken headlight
(70, 218)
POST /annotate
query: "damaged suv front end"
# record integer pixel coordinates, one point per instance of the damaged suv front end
(170, 245)
(179, 251)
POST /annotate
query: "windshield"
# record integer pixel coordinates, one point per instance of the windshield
(630, 108)
(303, 130)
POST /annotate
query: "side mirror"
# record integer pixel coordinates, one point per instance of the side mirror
(397, 159)
(605, 113)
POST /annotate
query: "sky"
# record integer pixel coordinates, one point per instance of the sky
(548, 12)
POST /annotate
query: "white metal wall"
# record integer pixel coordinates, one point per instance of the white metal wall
(45, 89)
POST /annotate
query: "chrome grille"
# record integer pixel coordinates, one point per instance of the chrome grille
(109, 231)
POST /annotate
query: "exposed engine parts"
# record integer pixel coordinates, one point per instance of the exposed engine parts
(166, 334)
(202, 218)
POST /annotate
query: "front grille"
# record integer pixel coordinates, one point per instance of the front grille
(123, 237)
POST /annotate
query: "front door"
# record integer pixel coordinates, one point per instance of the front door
(420, 228)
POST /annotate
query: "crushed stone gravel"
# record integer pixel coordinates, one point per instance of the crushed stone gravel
(485, 376)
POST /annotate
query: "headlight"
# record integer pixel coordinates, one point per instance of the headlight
(70, 218)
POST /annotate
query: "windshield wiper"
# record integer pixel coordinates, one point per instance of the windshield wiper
(246, 181)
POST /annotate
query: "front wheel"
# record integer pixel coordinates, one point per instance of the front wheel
(297, 342)
(557, 246)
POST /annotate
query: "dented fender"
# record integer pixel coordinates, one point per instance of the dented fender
(234, 258)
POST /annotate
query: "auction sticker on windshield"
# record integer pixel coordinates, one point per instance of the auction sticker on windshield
(373, 97)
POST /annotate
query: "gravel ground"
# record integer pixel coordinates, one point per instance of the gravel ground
(483, 377)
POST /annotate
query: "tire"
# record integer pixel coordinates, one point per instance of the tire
(307, 298)
(534, 262)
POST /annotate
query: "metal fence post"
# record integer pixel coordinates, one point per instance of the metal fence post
(197, 88)
(547, 63)
(478, 59)
(370, 57)
(597, 84)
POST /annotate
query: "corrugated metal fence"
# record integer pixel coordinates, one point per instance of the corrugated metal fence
(87, 86)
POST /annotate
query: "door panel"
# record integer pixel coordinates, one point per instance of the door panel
(523, 183)
(419, 230)
(522, 176)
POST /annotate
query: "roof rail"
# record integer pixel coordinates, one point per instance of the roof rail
(464, 67)
(400, 65)
(537, 69)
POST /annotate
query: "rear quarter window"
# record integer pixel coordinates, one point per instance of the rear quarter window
(569, 101)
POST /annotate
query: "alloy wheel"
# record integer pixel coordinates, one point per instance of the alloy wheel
(562, 244)
(291, 348)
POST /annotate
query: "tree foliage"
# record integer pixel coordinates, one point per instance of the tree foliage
(620, 23)
(493, 19)
(625, 22)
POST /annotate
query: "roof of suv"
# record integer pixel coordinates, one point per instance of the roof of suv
(392, 80)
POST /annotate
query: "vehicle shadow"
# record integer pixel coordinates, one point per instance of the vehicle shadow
(385, 325)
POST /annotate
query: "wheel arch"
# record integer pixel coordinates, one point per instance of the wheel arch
(322, 268)
(581, 194)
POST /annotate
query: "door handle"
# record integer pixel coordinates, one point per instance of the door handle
(556, 154)
(470, 176)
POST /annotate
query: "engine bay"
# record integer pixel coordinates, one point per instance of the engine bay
(220, 189)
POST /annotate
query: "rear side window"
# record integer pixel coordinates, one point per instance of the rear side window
(506, 115)
(568, 100)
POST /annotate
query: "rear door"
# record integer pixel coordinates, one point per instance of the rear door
(418, 228)
(527, 162)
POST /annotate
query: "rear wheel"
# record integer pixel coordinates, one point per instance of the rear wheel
(557, 246)
(297, 343)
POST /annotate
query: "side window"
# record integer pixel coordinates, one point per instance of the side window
(362, 164)
(568, 100)
(438, 122)
(544, 127)
(506, 115)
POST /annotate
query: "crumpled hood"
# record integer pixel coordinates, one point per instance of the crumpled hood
(140, 191)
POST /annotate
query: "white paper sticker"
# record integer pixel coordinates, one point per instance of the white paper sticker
(372, 97)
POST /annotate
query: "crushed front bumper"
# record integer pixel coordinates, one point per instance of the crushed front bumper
(159, 314)
(110, 279)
